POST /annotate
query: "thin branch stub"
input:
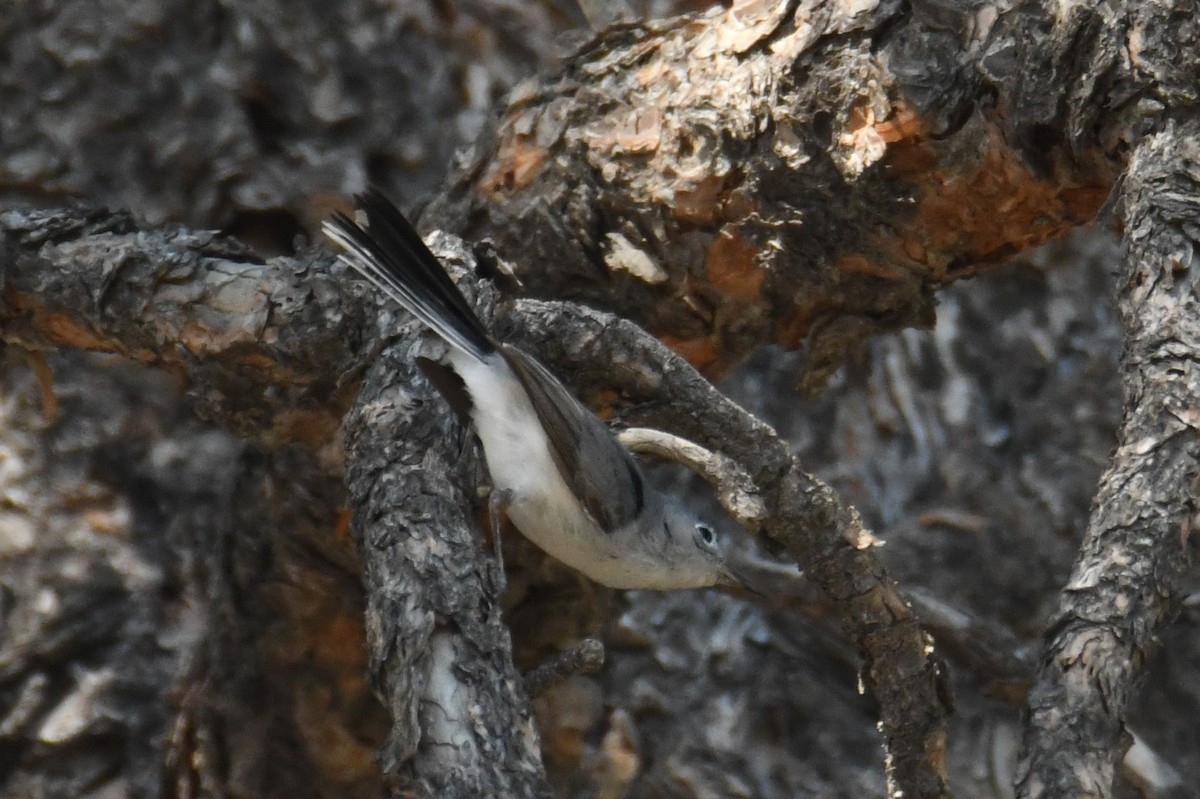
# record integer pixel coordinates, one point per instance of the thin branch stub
(734, 488)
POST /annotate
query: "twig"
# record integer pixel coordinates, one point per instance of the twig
(585, 657)
(734, 487)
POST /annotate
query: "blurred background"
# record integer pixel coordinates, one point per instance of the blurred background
(180, 613)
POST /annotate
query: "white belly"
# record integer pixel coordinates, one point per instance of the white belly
(541, 505)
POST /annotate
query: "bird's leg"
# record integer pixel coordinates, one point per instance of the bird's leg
(498, 503)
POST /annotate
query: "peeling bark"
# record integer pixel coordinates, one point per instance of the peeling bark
(194, 304)
(415, 591)
(1124, 587)
(440, 651)
(804, 172)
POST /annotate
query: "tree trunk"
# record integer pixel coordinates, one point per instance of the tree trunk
(184, 603)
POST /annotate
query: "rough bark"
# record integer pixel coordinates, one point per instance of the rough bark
(798, 172)
(803, 172)
(171, 627)
(800, 513)
(440, 651)
(197, 305)
(252, 116)
(425, 591)
(1125, 584)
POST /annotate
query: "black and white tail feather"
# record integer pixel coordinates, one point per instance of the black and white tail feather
(392, 256)
(568, 485)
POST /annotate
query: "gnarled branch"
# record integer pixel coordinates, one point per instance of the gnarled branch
(1124, 585)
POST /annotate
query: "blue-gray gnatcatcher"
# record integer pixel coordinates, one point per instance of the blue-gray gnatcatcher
(567, 484)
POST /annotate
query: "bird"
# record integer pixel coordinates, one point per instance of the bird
(563, 479)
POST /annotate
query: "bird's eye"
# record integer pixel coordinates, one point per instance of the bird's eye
(706, 534)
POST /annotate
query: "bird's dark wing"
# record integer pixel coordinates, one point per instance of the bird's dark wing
(600, 472)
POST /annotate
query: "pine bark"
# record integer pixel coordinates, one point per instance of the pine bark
(802, 173)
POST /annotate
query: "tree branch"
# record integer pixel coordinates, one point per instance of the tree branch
(1124, 587)
(803, 515)
(797, 172)
(585, 657)
(439, 648)
(801, 172)
(734, 488)
(195, 304)
(425, 584)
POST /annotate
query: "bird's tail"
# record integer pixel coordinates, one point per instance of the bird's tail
(390, 254)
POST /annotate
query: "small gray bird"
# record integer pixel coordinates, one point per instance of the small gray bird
(566, 483)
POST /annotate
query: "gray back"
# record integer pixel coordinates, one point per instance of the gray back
(600, 472)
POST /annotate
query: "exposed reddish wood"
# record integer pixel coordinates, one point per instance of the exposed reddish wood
(64, 330)
(983, 207)
(699, 352)
(517, 164)
(730, 267)
(702, 202)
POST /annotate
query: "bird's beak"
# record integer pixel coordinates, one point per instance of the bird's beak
(731, 577)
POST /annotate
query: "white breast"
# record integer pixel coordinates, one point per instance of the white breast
(541, 505)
